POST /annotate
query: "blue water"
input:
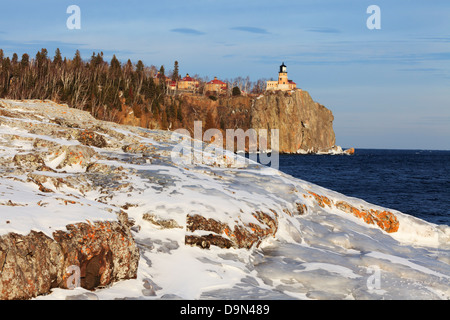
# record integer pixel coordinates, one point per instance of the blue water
(415, 182)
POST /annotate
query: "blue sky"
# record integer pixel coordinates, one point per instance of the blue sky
(387, 88)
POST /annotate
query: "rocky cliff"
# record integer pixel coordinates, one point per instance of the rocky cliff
(304, 125)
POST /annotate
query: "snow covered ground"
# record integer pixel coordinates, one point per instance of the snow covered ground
(324, 253)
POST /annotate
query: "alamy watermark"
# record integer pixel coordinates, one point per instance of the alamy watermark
(374, 280)
(74, 20)
(208, 147)
(374, 21)
(74, 280)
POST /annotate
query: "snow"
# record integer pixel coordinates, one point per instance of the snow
(323, 254)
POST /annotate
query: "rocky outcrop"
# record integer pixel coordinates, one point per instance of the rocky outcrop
(384, 219)
(304, 126)
(33, 264)
(224, 236)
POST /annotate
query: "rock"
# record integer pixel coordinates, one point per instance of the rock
(164, 223)
(32, 265)
(303, 124)
(223, 236)
(91, 138)
(105, 252)
(350, 151)
(30, 161)
(72, 155)
(384, 219)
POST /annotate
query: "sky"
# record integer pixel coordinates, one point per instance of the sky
(388, 88)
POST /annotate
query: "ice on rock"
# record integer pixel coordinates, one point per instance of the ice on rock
(307, 242)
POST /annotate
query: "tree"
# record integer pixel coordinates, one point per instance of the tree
(24, 63)
(175, 75)
(162, 71)
(57, 59)
(15, 59)
(236, 91)
(179, 113)
(77, 61)
(114, 68)
(140, 67)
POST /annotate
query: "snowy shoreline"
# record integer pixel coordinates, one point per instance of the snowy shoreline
(307, 243)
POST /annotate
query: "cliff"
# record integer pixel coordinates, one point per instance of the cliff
(304, 125)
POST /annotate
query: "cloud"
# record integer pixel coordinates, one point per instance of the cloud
(444, 39)
(324, 30)
(419, 69)
(187, 31)
(251, 30)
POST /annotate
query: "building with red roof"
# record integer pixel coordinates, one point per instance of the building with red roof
(216, 85)
(188, 83)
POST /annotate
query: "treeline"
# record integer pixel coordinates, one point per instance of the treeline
(101, 87)
(94, 85)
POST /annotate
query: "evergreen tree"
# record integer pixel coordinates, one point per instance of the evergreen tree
(179, 113)
(15, 59)
(24, 63)
(140, 67)
(77, 61)
(57, 59)
(115, 68)
(175, 75)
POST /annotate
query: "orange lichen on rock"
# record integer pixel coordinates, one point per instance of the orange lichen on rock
(384, 219)
(321, 200)
(240, 236)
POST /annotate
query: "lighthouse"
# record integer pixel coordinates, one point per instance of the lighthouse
(283, 83)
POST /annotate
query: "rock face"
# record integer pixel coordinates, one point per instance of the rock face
(40, 155)
(304, 126)
(33, 264)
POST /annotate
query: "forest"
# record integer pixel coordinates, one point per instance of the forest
(98, 86)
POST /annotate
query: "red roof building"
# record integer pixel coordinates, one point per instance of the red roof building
(188, 83)
(216, 86)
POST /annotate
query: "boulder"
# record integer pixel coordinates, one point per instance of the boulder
(33, 264)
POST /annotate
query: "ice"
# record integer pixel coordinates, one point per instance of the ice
(323, 253)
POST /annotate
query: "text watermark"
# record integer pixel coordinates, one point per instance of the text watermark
(208, 147)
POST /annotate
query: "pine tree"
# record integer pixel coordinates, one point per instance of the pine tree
(77, 61)
(15, 59)
(140, 67)
(175, 75)
(115, 68)
(57, 59)
(24, 63)
(179, 113)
